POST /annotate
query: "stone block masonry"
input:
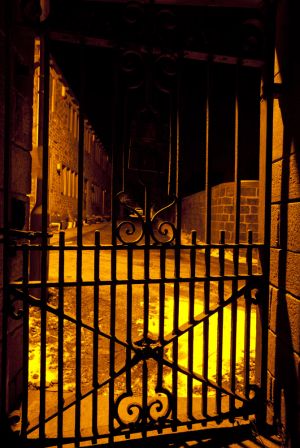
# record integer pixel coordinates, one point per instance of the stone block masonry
(283, 394)
(223, 212)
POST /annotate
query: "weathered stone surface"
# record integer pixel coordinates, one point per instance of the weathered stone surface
(290, 186)
(277, 131)
(293, 273)
(275, 225)
(21, 163)
(293, 234)
(274, 263)
(272, 345)
(294, 180)
(273, 300)
(285, 317)
(276, 181)
(270, 387)
(284, 270)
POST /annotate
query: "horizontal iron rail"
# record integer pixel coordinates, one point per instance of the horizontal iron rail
(37, 284)
(244, 429)
(167, 338)
(153, 247)
(38, 303)
(100, 42)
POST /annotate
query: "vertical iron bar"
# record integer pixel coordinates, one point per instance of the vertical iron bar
(125, 139)
(207, 156)
(6, 200)
(129, 317)
(206, 330)
(170, 164)
(177, 120)
(263, 307)
(144, 398)
(113, 251)
(220, 321)
(162, 293)
(249, 253)
(61, 279)
(237, 193)
(115, 149)
(112, 344)
(191, 320)
(247, 342)
(233, 355)
(96, 339)
(79, 246)
(261, 355)
(175, 342)
(25, 250)
(146, 263)
(207, 241)
(192, 277)
(45, 73)
(146, 308)
(247, 317)
(161, 331)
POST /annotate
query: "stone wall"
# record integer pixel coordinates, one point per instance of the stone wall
(284, 304)
(222, 211)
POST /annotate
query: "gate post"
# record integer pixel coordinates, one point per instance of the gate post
(39, 216)
(265, 185)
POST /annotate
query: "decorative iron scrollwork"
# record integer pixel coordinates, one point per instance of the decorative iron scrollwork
(133, 68)
(160, 406)
(130, 229)
(132, 232)
(133, 14)
(166, 231)
(146, 348)
(165, 72)
(130, 411)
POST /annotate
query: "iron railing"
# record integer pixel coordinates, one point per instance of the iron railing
(142, 336)
(183, 357)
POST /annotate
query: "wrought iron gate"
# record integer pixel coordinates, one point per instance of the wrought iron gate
(154, 330)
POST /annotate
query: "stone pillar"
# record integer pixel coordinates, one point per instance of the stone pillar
(284, 319)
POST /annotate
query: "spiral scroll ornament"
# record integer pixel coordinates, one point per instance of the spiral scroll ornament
(159, 230)
(165, 232)
(132, 66)
(129, 232)
(131, 413)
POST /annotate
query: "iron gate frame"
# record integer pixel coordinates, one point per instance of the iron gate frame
(20, 290)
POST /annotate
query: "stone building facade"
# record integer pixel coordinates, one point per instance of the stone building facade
(63, 156)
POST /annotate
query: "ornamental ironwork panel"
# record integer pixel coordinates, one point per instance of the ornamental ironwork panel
(141, 328)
